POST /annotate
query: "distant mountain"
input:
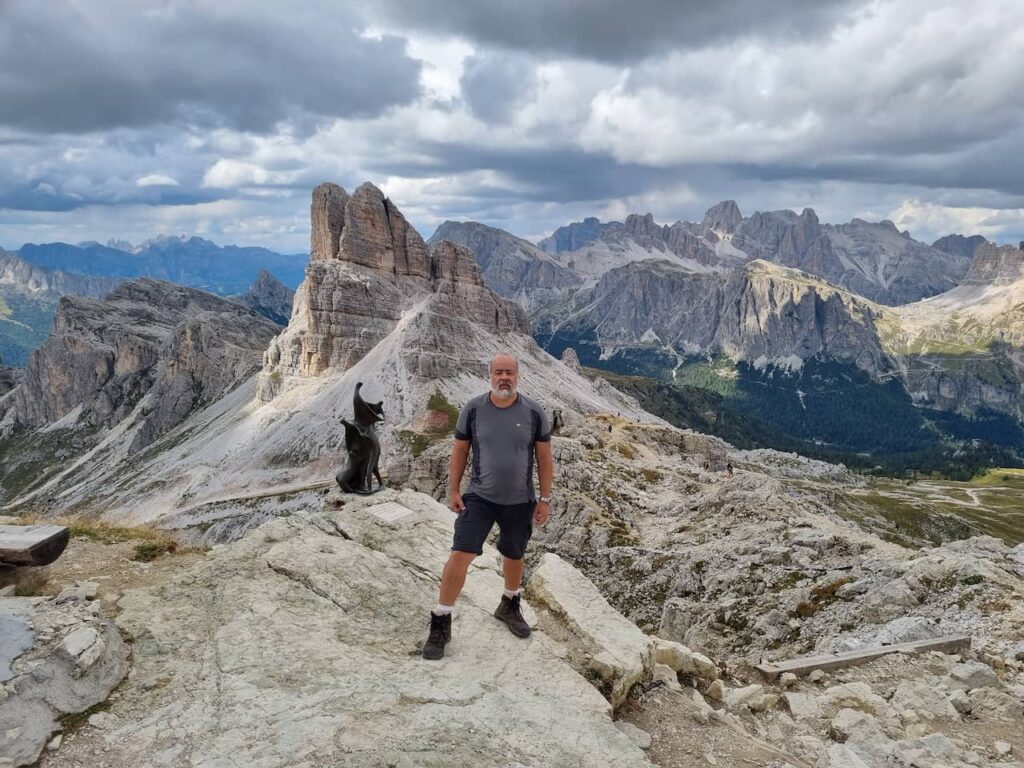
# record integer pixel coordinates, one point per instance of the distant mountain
(574, 236)
(269, 297)
(512, 267)
(28, 301)
(801, 349)
(958, 245)
(191, 261)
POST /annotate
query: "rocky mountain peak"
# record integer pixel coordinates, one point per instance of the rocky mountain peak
(269, 297)
(369, 268)
(958, 245)
(723, 217)
(365, 228)
(642, 225)
(995, 265)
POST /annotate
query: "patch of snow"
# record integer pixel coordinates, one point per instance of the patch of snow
(649, 336)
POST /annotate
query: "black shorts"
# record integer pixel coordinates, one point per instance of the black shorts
(474, 523)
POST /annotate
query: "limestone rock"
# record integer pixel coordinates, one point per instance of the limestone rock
(626, 653)
(72, 661)
(173, 347)
(350, 688)
(923, 699)
(511, 267)
(970, 675)
(682, 659)
(355, 295)
(802, 705)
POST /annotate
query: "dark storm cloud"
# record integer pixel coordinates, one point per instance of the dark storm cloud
(70, 67)
(536, 174)
(609, 30)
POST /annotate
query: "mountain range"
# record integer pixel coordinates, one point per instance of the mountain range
(191, 261)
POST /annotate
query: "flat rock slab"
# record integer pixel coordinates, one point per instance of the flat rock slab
(32, 544)
(622, 654)
(300, 645)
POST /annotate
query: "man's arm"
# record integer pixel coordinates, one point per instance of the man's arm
(545, 472)
(456, 468)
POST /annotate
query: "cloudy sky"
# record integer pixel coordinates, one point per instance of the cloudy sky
(130, 118)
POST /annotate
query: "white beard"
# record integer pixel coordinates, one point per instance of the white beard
(503, 394)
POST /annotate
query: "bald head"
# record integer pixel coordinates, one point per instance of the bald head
(504, 370)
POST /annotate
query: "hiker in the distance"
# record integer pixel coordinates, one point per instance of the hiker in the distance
(504, 431)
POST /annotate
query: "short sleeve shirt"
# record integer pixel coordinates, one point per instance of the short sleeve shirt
(502, 441)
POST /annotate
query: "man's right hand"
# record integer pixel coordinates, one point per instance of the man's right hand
(455, 503)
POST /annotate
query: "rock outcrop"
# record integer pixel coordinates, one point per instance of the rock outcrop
(995, 265)
(269, 297)
(63, 659)
(369, 268)
(959, 245)
(151, 350)
(220, 669)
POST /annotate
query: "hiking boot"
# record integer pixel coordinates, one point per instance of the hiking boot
(511, 612)
(440, 634)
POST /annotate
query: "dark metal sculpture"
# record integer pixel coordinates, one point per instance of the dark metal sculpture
(363, 447)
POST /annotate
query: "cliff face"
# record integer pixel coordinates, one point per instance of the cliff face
(175, 347)
(368, 269)
(760, 311)
(35, 279)
(512, 267)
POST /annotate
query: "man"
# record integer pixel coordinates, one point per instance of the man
(504, 430)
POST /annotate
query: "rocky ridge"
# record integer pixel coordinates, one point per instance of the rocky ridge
(32, 278)
(511, 266)
(761, 312)
(873, 260)
(143, 358)
(269, 297)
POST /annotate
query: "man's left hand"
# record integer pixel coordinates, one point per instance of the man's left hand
(540, 513)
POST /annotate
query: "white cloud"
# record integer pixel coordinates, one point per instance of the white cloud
(157, 180)
(929, 221)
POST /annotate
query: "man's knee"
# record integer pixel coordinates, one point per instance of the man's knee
(461, 560)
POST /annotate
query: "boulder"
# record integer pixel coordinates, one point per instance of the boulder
(970, 675)
(62, 659)
(623, 655)
(683, 660)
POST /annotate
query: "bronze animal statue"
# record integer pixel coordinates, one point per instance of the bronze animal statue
(362, 446)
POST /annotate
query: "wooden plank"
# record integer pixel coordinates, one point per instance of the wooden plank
(32, 544)
(807, 664)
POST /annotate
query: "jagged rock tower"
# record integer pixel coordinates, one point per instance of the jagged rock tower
(369, 271)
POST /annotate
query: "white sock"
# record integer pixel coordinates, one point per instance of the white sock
(510, 593)
(441, 610)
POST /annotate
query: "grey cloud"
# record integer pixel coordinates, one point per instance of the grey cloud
(75, 68)
(608, 30)
(492, 84)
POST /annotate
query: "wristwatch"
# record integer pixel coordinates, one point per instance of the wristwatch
(545, 499)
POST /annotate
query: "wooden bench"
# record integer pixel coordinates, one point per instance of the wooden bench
(807, 664)
(32, 544)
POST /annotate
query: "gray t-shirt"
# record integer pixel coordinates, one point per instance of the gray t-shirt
(502, 442)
